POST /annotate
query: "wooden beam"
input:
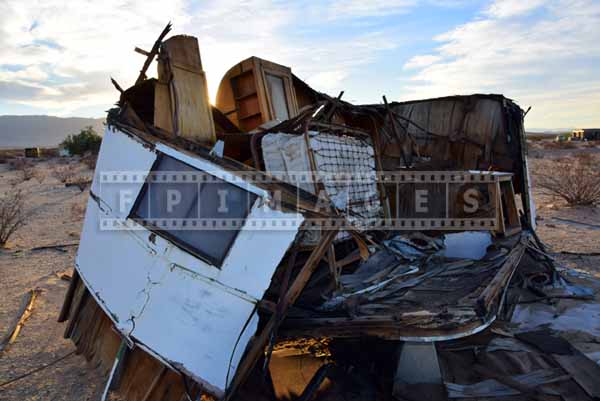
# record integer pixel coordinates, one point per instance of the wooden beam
(500, 280)
(141, 51)
(152, 54)
(180, 67)
(23, 316)
(75, 310)
(256, 348)
(66, 307)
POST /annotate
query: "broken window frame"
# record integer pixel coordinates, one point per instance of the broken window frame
(173, 238)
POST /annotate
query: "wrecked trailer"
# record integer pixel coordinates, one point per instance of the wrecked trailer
(282, 252)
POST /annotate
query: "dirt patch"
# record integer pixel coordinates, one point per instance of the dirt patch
(41, 339)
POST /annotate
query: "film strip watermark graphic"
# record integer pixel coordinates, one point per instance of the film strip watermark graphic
(233, 200)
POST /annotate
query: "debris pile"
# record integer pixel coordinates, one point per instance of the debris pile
(286, 244)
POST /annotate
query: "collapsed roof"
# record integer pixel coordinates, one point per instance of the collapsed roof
(347, 254)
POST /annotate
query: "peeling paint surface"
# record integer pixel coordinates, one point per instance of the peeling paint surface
(185, 310)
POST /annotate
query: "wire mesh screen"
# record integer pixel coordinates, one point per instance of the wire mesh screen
(346, 167)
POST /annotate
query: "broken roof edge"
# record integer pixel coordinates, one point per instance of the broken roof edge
(492, 96)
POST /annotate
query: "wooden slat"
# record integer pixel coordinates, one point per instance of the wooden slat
(23, 316)
(257, 346)
(154, 382)
(180, 66)
(152, 54)
(500, 280)
(76, 308)
(66, 307)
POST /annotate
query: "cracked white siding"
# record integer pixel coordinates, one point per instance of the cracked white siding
(188, 312)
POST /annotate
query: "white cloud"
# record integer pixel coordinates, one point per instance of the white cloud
(510, 8)
(68, 50)
(421, 61)
(546, 62)
(363, 8)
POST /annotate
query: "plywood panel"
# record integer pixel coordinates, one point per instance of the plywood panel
(180, 67)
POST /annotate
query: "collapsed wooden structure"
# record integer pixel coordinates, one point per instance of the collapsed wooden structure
(176, 311)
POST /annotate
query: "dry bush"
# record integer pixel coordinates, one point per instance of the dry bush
(80, 182)
(64, 174)
(12, 214)
(559, 145)
(575, 179)
(25, 167)
(40, 175)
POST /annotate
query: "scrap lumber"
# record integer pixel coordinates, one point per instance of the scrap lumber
(502, 277)
(182, 106)
(24, 314)
(150, 56)
(56, 246)
(256, 348)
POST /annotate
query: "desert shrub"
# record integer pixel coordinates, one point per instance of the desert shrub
(64, 174)
(86, 141)
(575, 179)
(40, 175)
(25, 167)
(79, 181)
(12, 214)
(559, 144)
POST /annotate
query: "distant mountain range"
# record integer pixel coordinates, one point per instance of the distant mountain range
(548, 130)
(42, 131)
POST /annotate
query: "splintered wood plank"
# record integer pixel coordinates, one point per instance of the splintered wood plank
(494, 289)
(181, 68)
(152, 54)
(256, 348)
(24, 314)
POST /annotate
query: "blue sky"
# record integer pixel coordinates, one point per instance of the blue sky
(56, 57)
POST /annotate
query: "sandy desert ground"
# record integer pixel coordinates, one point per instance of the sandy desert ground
(57, 219)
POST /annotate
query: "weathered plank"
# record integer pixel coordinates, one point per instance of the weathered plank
(23, 316)
(181, 68)
(66, 307)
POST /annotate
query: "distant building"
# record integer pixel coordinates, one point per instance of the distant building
(589, 134)
(63, 152)
(564, 137)
(32, 152)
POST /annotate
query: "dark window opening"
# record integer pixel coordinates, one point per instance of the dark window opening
(195, 210)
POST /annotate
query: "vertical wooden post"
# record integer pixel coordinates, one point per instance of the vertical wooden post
(182, 106)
